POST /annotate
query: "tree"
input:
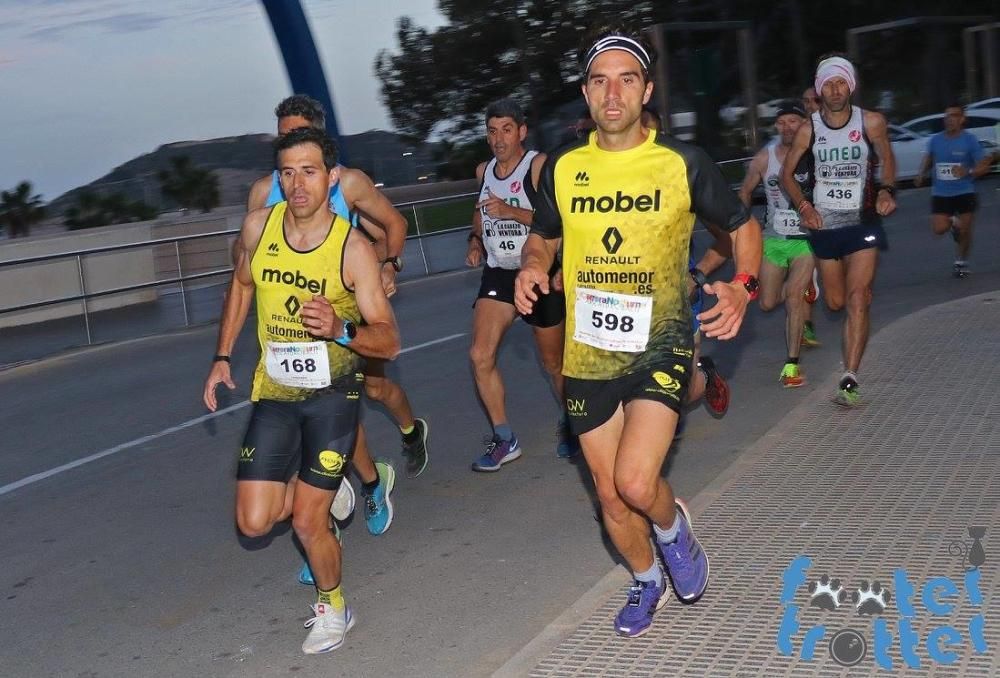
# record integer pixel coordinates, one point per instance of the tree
(438, 83)
(19, 210)
(190, 186)
(92, 210)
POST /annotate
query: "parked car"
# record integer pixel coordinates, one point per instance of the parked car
(734, 111)
(984, 103)
(909, 148)
(982, 123)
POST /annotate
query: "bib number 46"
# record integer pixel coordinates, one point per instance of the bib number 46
(611, 321)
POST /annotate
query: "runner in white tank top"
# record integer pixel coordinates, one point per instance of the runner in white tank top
(500, 225)
(845, 144)
(787, 266)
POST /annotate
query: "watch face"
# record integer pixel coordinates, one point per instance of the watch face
(752, 285)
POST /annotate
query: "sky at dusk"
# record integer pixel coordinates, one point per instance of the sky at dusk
(90, 84)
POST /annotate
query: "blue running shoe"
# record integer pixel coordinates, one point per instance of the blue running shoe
(686, 561)
(498, 452)
(306, 573)
(644, 598)
(378, 505)
(569, 444)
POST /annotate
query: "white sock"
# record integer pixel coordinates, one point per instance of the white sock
(653, 574)
(670, 534)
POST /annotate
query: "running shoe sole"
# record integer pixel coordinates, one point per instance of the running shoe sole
(344, 501)
(423, 439)
(708, 568)
(390, 482)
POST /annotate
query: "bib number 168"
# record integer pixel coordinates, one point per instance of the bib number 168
(612, 321)
(299, 365)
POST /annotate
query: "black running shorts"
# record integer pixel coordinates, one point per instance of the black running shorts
(318, 433)
(837, 243)
(953, 204)
(498, 284)
(591, 402)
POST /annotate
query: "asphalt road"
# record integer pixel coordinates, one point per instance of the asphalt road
(129, 564)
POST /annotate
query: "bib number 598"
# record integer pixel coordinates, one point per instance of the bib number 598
(299, 365)
(612, 321)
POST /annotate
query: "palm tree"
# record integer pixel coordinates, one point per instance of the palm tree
(190, 186)
(92, 210)
(19, 210)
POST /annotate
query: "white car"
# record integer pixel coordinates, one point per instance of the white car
(981, 123)
(909, 148)
(734, 111)
(985, 103)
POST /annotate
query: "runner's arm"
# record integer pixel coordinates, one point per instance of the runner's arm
(878, 133)
(808, 215)
(754, 175)
(539, 250)
(714, 202)
(925, 167)
(236, 306)
(363, 196)
(378, 337)
(982, 161)
(799, 147)
(476, 249)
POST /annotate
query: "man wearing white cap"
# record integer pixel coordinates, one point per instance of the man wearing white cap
(844, 144)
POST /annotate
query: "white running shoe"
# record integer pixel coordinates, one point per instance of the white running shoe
(328, 629)
(343, 501)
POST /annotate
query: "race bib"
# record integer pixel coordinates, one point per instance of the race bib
(786, 222)
(503, 242)
(299, 364)
(613, 322)
(839, 194)
(946, 171)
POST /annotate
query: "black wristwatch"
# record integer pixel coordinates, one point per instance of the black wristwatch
(396, 263)
(891, 190)
(221, 359)
(699, 277)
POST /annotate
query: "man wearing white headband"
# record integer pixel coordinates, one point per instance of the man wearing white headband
(844, 145)
(622, 205)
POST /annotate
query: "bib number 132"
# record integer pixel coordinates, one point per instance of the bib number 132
(612, 321)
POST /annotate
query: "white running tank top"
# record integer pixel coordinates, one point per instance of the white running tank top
(503, 238)
(844, 189)
(782, 221)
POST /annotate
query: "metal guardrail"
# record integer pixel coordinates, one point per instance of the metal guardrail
(84, 296)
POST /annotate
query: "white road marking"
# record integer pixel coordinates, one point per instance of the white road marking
(34, 478)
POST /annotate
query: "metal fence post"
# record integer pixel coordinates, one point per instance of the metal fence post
(423, 254)
(83, 291)
(180, 275)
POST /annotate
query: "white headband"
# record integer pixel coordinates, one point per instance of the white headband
(617, 42)
(835, 67)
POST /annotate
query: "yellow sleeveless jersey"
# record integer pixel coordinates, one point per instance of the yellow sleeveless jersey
(284, 279)
(626, 219)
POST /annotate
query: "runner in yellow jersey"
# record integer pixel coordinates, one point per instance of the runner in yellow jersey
(622, 204)
(320, 306)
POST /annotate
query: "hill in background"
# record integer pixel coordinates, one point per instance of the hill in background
(238, 161)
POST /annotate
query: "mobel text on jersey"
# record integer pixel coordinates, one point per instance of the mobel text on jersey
(619, 202)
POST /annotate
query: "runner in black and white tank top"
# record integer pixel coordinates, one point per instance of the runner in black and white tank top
(843, 172)
(503, 238)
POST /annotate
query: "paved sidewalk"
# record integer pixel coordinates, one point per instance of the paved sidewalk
(886, 492)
